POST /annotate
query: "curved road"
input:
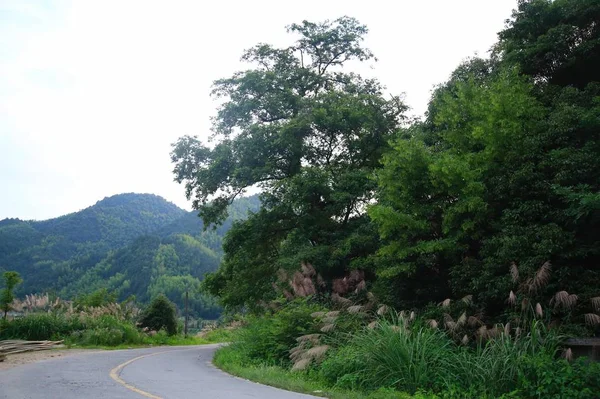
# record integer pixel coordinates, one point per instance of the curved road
(166, 372)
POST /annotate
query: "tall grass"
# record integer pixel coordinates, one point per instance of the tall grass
(41, 326)
(411, 358)
(493, 366)
(391, 354)
(407, 359)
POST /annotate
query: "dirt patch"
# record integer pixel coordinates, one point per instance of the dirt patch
(18, 359)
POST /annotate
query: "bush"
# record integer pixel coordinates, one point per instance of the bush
(42, 326)
(101, 331)
(546, 377)
(97, 298)
(342, 367)
(392, 355)
(388, 393)
(395, 356)
(268, 339)
(159, 315)
(106, 331)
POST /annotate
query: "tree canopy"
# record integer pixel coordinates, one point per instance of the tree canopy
(309, 135)
(502, 170)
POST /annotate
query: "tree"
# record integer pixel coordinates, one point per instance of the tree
(11, 280)
(554, 41)
(100, 297)
(439, 190)
(504, 169)
(160, 314)
(309, 136)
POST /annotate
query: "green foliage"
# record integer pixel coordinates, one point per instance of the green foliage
(99, 297)
(500, 177)
(310, 136)
(268, 339)
(10, 280)
(219, 335)
(232, 360)
(546, 377)
(117, 260)
(392, 355)
(106, 331)
(42, 326)
(103, 331)
(397, 356)
(554, 41)
(175, 288)
(503, 169)
(160, 314)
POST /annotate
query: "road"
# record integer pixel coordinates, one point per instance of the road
(165, 372)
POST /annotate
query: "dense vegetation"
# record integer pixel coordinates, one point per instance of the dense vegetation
(97, 320)
(160, 315)
(129, 244)
(492, 197)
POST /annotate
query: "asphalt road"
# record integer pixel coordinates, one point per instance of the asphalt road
(167, 372)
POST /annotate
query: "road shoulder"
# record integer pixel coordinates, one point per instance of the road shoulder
(19, 359)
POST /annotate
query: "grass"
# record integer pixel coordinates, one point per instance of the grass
(398, 358)
(228, 359)
(218, 335)
(162, 339)
(105, 332)
(175, 340)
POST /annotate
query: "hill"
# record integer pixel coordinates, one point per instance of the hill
(130, 244)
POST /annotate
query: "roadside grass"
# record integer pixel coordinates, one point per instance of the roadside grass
(397, 357)
(231, 361)
(218, 335)
(103, 332)
(160, 339)
(146, 343)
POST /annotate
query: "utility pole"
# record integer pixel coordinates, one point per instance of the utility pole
(185, 327)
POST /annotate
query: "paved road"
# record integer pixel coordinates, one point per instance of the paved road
(168, 373)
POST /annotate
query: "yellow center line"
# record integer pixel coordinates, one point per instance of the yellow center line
(114, 373)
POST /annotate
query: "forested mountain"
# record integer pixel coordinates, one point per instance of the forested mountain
(131, 244)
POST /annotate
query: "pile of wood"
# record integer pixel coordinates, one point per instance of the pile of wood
(10, 347)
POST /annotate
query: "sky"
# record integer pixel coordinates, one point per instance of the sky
(93, 93)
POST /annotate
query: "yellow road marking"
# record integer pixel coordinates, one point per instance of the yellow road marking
(114, 374)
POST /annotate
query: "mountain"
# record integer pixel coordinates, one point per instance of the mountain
(130, 244)
(115, 220)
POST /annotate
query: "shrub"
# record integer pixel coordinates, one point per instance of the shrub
(268, 339)
(97, 337)
(97, 298)
(546, 377)
(388, 393)
(107, 331)
(41, 326)
(160, 314)
(342, 367)
(104, 330)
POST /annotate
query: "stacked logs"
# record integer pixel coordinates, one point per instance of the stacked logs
(10, 347)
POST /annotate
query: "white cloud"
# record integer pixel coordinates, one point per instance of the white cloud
(92, 93)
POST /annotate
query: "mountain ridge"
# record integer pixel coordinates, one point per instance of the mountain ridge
(130, 244)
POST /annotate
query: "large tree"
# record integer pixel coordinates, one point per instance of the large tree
(309, 135)
(504, 169)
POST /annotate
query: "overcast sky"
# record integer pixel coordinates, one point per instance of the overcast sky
(92, 93)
